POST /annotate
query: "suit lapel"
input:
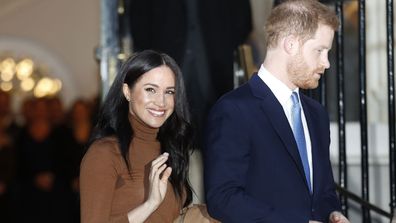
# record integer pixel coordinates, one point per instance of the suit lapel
(275, 114)
(313, 129)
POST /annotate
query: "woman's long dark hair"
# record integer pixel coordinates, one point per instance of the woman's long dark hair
(175, 135)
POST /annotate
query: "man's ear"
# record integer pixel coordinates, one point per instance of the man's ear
(126, 92)
(290, 45)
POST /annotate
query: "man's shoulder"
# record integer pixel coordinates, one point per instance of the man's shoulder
(236, 100)
(242, 91)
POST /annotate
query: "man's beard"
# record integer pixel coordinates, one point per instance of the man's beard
(301, 75)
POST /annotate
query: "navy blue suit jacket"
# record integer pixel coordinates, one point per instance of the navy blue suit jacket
(252, 169)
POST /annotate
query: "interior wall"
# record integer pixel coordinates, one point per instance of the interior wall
(62, 34)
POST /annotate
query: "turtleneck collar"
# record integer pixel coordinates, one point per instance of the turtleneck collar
(141, 130)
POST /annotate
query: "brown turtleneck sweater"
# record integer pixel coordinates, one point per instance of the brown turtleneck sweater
(109, 192)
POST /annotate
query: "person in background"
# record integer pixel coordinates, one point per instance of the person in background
(67, 156)
(80, 124)
(8, 132)
(266, 155)
(36, 166)
(136, 167)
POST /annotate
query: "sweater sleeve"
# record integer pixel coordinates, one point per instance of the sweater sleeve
(98, 176)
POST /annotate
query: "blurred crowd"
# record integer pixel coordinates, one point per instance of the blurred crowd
(40, 156)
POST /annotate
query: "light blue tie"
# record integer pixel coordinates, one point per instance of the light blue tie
(298, 132)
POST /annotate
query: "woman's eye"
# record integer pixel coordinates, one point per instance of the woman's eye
(152, 90)
(170, 92)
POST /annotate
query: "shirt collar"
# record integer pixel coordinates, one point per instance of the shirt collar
(278, 88)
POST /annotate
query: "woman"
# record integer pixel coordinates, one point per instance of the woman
(141, 141)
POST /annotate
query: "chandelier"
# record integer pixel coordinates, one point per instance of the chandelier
(24, 76)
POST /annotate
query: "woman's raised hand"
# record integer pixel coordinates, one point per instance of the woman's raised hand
(159, 174)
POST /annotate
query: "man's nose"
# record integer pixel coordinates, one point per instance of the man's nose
(326, 63)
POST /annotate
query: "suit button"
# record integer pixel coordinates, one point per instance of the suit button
(313, 210)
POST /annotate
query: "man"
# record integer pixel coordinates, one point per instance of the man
(267, 146)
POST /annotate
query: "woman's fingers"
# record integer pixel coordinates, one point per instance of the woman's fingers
(159, 171)
(166, 174)
(159, 174)
(158, 166)
(160, 159)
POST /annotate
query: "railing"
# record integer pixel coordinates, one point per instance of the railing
(366, 206)
(345, 194)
